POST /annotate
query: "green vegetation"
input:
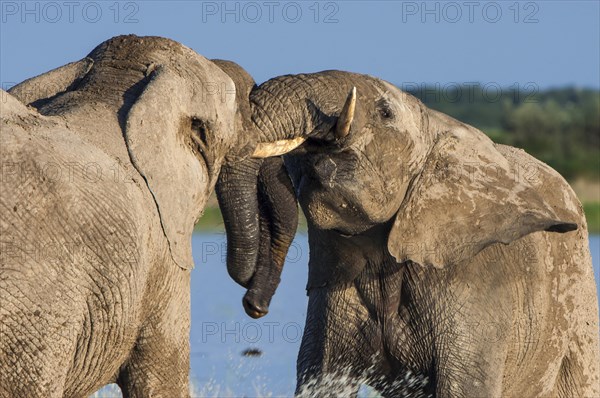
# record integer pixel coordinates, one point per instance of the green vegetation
(211, 220)
(592, 214)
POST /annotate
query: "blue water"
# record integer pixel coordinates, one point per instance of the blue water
(595, 249)
(221, 331)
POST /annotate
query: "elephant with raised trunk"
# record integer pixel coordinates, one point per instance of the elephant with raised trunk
(107, 163)
(441, 263)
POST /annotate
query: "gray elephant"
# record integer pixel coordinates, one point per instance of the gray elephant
(441, 263)
(104, 175)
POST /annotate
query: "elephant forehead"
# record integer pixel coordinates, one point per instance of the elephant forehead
(393, 152)
(410, 121)
(214, 99)
(143, 49)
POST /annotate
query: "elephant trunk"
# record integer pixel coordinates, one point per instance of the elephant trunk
(256, 197)
(236, 191)
(278, 223)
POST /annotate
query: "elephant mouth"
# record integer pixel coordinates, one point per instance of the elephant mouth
(331, 208)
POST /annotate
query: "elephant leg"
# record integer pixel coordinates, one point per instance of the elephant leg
(334, 357)
(158, 366)
(159, 362)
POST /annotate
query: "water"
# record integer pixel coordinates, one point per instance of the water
(221, 331)
(595, 249)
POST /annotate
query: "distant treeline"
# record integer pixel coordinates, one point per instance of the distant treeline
(558, 126)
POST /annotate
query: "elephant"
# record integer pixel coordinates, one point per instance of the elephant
(441, 263)
(107, 164)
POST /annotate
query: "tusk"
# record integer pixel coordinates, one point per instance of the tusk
(277, 148)
(344, 122)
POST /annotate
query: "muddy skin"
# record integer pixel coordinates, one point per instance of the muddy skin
(435, 267)
(95, 257)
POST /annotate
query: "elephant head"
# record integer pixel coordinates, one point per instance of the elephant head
(371, 155)
(382, 179)
(377, 155)
(176, 112)
(180, 116)
(183, 117)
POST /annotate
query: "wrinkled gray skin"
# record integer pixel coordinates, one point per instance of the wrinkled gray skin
(259, 210)
(440, 263)
(103, 178)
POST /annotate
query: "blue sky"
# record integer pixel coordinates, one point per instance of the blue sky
(549, 43)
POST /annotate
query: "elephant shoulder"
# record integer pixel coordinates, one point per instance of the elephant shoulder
(18, 118)
(53, 170)
(57, 189)
(546, 181)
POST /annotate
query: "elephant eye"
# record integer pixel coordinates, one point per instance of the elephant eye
(197, 140)
(200, 130)
(385, 111)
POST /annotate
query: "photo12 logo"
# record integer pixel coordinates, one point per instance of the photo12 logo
(469, 11)
(69, 11)
(269, 11)
(471, 92)
(251, 332)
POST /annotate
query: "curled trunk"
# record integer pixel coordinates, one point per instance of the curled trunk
(278, 222)
(261, 216)
(258, 203)
(237, 195)
(261, 222)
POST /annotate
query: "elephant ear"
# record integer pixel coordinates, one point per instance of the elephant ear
(466, 198)
(40, 89)
(158, 151)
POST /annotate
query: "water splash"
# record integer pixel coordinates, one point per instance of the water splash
(346, 383)
(409, 386)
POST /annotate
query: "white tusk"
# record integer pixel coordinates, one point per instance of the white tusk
(344, 122)
(277, 148)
